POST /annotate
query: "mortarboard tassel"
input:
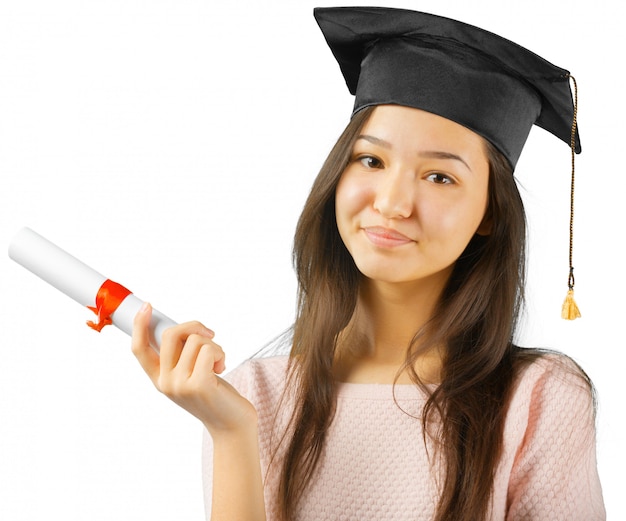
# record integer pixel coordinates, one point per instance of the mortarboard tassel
(570, 310)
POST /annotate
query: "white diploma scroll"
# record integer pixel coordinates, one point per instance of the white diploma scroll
(78, 281)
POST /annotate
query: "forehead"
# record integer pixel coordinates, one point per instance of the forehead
(416, 130)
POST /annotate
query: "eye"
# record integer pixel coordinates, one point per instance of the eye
(440, 178)
(370, 162)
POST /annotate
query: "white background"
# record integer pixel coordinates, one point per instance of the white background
(170, 145)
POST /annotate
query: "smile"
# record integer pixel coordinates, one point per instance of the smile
(386, 237)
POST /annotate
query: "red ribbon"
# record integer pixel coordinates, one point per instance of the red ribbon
(109, 297)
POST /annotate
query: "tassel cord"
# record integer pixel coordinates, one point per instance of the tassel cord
(570, 309)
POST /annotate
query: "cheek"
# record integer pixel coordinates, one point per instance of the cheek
(351, 198)
(453, 221)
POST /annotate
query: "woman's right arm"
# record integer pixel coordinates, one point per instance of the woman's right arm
(186, 372)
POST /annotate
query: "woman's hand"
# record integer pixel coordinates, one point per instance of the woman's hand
(186, 372)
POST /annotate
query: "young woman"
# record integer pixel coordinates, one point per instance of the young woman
(403, 395)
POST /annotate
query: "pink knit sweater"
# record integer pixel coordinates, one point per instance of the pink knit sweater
(375, 467)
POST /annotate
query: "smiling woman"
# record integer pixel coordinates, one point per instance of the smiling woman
(404, 395)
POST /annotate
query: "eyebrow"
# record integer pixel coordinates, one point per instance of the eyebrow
(375, 140)
(431, 154)
(437, 154)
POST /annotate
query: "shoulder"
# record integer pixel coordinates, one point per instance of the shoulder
(553, 376)
(269, 367)
(260, 380)
(551, 397)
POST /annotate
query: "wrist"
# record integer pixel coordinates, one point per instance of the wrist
(244, 435)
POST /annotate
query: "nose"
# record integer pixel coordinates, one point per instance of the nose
(394, 195)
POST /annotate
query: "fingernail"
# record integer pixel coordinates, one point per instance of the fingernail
(210, 332)
(144, 307)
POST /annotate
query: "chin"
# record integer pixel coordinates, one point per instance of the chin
(387, 275)
(394, 274)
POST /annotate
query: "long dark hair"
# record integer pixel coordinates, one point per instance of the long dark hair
(475, 319)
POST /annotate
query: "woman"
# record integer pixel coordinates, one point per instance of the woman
(404, 396)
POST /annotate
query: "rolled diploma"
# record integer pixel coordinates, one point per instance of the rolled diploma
(78, 281)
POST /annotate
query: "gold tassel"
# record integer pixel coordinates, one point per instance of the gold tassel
(570, 309)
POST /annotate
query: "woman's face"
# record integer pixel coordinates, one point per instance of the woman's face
(413, 194)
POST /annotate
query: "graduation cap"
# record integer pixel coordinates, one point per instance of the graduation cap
(476, 78)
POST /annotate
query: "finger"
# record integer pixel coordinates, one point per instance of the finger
(220, 364)
(187, 360)
(186, 364)
(211, 359)
(175, 338)
(219, 357)
(147, 357)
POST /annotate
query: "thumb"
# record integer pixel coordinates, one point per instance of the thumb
(141, 347)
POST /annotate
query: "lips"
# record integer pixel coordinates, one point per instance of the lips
(386, 237)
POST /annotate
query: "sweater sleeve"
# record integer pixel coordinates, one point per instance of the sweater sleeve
(554, 474)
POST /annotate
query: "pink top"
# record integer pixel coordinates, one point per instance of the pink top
(375, 467)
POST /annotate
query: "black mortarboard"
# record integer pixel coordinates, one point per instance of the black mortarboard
(466, 74)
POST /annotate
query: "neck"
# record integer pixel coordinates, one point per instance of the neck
(386, 319)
